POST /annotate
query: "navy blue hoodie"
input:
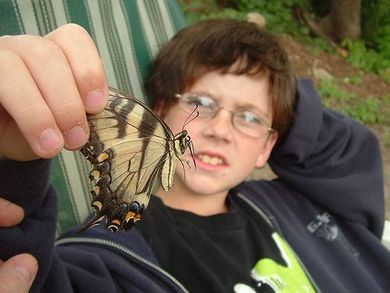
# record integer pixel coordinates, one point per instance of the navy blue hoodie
(328, 203)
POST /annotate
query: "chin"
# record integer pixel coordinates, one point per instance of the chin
(202, 184)
(208, 191)
(199, 181)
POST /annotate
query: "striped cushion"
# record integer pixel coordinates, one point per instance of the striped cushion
(127, 33)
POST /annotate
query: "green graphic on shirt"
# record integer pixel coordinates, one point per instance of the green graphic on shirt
(280, 278)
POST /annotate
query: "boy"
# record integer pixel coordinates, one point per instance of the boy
(315, 228)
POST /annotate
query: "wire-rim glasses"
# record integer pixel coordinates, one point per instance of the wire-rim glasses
(245, 121)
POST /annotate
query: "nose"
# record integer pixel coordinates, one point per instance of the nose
(220, 126)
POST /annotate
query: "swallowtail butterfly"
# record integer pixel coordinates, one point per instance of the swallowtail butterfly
(129, 148)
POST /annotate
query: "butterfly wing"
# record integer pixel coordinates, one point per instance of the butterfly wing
(129, 146)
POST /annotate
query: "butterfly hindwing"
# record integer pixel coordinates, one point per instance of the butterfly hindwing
(129, 148)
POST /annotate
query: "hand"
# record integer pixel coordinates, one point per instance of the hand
(18, 272)
(47, 85)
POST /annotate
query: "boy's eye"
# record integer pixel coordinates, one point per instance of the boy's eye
(203, 102)
(248, 118)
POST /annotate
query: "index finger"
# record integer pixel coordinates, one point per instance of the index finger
(86, 64)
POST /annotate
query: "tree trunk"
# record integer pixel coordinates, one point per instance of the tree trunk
(343, 21)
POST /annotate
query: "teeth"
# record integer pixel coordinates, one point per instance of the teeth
(210, 160)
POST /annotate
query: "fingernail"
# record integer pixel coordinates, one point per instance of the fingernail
(75, 137)
(49, 140)
(95, 100)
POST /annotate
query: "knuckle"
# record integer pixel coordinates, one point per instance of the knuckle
(67, 32)
(43, 49)
(67, 106)
(8, 58)
(36, 118)
(26, 51)
(72, 28)
(69, 113)
(5, 37)
(92, 75)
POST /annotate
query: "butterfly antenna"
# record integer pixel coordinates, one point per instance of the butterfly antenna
(193, 115)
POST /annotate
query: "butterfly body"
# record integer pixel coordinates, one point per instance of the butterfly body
(129, 148)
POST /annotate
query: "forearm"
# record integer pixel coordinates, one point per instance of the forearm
(61, 269)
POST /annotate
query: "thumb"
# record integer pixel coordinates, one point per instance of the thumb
(18, 273)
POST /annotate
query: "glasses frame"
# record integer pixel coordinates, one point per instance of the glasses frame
(270, 130)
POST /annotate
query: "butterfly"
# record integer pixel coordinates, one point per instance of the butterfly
(129, 148)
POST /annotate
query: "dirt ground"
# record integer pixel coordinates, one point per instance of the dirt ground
(308, 64)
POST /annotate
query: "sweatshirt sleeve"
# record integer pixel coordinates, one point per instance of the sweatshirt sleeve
(73, 267)
(26, 184)
(333, 160)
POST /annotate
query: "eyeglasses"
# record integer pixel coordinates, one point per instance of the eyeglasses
(245, 121)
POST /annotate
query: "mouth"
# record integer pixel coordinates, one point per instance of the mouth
(209, 159)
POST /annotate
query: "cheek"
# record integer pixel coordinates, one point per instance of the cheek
(250, 154)
(176, 121)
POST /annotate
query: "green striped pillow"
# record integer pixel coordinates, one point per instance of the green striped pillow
(128, 34)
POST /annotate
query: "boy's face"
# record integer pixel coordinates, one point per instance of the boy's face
(224, 156)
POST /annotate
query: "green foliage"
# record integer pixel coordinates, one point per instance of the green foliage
(376, 25)
(198, 10)
(331, 92)
(334, 96)
(372, 53)
(357, 80)
(318, 45)
(387, 138)
(278, 14)
(223, 13)
(385, 74)
(366, 59)
(385, 110)
(365, 111)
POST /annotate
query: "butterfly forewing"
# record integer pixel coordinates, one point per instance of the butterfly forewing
(129, 147)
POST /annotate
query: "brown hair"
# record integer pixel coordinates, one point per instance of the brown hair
(218, 45)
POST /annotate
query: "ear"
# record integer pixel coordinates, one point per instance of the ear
(267, 148)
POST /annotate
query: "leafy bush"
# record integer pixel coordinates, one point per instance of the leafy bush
(376, 25)
(366, 111)
(371, 53)
(367, 59)
(334, 96)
